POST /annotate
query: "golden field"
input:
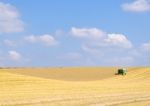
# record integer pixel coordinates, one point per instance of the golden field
(94, 86)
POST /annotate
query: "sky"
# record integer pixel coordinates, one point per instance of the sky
(56, 33)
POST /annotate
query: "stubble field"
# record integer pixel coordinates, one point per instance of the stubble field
(85, 86)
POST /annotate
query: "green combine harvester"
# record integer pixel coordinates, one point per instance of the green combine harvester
(122, 71)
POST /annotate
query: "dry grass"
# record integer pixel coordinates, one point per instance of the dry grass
(74, 87)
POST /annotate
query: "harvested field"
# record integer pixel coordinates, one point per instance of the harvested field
(85, 86)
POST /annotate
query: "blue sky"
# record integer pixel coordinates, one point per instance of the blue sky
(74, 33)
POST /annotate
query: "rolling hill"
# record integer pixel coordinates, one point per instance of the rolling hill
(85, 86)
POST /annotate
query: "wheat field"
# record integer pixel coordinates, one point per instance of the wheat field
(75, 86)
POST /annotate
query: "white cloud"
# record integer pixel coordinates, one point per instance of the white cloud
(45, 39)
(100, 38)
(108, 49)
(90, 33)
(15, 56)
(31, 39)
(118, 40)
(137, 6)
(10, 21)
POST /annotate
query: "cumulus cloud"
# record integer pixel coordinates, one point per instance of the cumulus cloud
(45, 39)
(100, 38)
(109, 48)
(89, 33)
(137, 6)
(119, 40)
(14, 55)
(10, 21)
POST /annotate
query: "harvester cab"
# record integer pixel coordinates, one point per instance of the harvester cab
(122, 71)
